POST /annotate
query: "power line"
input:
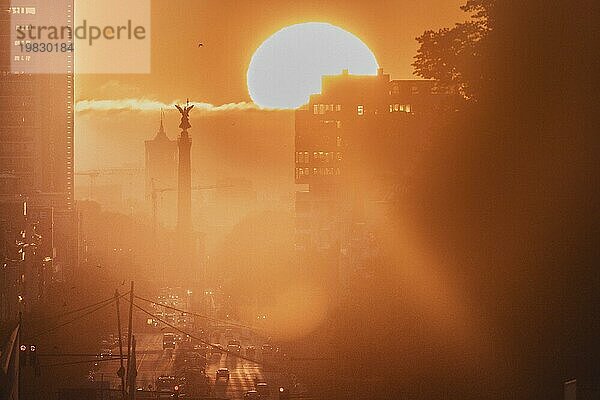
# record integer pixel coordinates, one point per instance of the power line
(49, 330)
(80, 362)
(222, 350)
(224, 322)
(93, 354)
(59, 316)
(70, 355)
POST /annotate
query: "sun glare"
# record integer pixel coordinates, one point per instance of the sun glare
(287, 67)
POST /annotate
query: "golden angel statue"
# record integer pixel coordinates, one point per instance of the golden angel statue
(185, 115)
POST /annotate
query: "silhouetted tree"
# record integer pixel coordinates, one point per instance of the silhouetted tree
(453, 55)
(504, 188)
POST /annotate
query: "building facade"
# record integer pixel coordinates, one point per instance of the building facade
(36, 134)
(353, 142)
(161, 161)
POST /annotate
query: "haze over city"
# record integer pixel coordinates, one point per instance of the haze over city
(298, 200)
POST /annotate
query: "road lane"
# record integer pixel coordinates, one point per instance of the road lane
(243, 375)
(152, 362)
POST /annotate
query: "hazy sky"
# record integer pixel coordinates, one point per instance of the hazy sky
(232, 30)
(233, 141)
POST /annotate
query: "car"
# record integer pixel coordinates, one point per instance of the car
(216, 348)
(223, 373)
(262, 389)
(267, 349)
(234, 346)
(251, 395)
(202, 349)
(166, 386)
(105, 353)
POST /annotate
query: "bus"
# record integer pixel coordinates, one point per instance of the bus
(168, 341)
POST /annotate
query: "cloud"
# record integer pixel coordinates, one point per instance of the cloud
(133, 104)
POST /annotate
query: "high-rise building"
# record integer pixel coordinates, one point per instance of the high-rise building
(161, 161)
(26, 248)
(36, 112)
(36, 132)
(353, 141)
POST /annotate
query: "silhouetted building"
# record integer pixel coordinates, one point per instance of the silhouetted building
(36, 129)
(36, 112)
(161, 161)
(353, 142)
(26, 250)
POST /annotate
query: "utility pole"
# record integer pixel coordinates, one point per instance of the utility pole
(129, 339)
(133, 371)
(121, 371)
(18, 345)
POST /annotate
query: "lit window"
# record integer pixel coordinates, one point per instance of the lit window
(306, 157)
(396, 107)
(339, 141)
(338, 107)
(391, 108)
(321, 108)
(360, 110)
(407, 108)
(315, 109)
(401, 107)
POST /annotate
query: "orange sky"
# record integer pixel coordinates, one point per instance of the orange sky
(231, 142)
(232, 30)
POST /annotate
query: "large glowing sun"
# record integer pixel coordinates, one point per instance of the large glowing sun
(287, 68)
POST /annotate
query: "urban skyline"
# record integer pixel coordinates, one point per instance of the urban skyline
(298, 200)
